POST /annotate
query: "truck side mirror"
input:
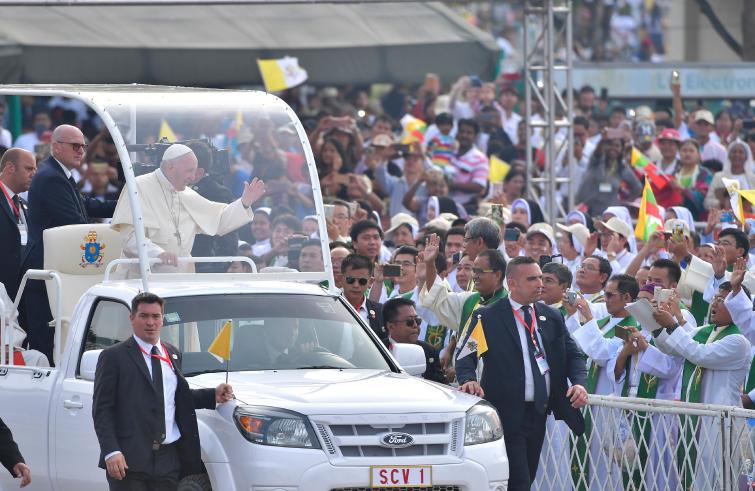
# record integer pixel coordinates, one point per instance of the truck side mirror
(411, 357)
(88, 364)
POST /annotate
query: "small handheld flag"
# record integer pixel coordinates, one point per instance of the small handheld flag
(281, 74)
(221, 346)
(646, 167)
(475, 342)
(649, 219)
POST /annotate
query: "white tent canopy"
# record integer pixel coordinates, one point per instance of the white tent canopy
(217, 45)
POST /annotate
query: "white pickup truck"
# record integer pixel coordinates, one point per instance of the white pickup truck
(336, 413)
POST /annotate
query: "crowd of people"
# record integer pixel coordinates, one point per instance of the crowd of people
(427, 202)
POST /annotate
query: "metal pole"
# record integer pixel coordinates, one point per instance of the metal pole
(527, 103)
(572, 162)
(550, 114)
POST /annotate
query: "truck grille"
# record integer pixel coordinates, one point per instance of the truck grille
(434, 488)
(350, 438)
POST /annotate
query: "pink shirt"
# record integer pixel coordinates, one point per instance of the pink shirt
(471, 167)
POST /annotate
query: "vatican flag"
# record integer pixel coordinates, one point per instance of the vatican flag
(732, 187)
(475, 342)
(281, 74)
(221, 345)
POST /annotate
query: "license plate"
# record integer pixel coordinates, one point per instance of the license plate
(392, 477)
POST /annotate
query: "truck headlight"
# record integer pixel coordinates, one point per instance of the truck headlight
(273, 426)
(482, 424)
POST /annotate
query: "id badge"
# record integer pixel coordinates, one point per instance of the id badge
(542, 364)
(22, 233)
(604, 187)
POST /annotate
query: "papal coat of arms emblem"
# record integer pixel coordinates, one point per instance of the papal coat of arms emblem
(92, 251)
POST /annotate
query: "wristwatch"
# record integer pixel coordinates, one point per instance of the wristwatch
(671, 329)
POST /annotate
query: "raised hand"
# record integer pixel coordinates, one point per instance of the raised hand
(432, 247)
(719, 262)
(738, 274)
(253, 191)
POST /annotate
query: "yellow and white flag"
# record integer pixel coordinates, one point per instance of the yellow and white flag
(221, 345)
(166, 132)
(281, 74)
(475, 342)
(732, 187)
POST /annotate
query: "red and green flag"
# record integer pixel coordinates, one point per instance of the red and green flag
(649, 220)
(647, 168)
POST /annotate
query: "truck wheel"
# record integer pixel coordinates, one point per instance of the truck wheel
(195, 482)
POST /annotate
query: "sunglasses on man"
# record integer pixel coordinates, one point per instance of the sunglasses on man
(410, 321)
(362, 281)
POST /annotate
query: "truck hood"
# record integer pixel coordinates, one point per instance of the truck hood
(336, 392)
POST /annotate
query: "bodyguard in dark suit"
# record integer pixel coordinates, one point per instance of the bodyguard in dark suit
(402, 325)
(10, 456)
(54, 201)
(143, 409)
(17, 168)
(358, 276)
(529, 361)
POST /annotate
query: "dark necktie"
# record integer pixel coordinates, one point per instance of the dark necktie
(157, 382)
(17, 201)
(541, 393)
(77, 195)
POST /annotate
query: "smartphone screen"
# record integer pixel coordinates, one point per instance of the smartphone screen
(511, 234)
(391, 270)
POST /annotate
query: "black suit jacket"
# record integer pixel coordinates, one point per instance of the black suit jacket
(125, 409)
(375, 319)
(9, 454)
(503, 372)
(10, 248)
(54, 202)
(213, 246)
(433, 370)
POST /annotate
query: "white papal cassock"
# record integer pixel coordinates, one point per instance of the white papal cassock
(172, 219)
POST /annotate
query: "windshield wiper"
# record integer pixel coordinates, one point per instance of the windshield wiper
(320, 367)
(202, 372)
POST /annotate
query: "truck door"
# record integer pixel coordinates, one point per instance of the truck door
(76, 449)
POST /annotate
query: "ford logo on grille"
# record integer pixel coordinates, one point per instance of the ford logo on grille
(397, 440)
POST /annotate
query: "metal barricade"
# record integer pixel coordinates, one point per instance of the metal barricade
(650, 445)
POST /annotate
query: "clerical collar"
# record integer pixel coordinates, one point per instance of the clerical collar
(65, 169)
(484, 299)
(164, 182)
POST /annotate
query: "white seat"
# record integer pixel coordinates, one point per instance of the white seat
(80, 254)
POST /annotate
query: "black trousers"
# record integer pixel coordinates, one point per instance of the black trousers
(523, 448)
(166, 469)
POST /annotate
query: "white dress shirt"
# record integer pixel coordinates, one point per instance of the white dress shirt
(524, 333)
(590, 339)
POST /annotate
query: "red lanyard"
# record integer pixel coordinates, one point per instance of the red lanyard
(530, 328)
(166, 359)
(12, 204)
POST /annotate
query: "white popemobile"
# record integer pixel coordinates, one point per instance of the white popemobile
(321, 404)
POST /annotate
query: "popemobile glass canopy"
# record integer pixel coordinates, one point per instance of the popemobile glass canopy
(241, 135)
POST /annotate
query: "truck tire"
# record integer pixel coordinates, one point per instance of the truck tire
(195, 482)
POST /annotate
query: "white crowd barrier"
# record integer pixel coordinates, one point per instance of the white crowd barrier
(651, 445)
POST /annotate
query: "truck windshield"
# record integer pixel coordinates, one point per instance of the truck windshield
(269, 332)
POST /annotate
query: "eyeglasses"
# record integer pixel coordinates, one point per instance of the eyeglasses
(481, 270)
(76, 146)
(588, 268)
(362, 281)
(409, 321)
(611, 294)
(467, 239)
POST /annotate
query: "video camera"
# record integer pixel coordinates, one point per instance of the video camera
(219, 165)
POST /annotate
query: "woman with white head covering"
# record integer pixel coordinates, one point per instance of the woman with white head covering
(576, 216)
(621, 212)
(683, 214)
(526, 209)
(739, 166)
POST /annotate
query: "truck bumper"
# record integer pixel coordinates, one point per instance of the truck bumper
(482, 468)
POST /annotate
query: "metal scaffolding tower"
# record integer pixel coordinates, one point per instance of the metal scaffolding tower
(549, 23)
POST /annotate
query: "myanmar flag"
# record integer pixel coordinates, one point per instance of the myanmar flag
(649, 219)
(646, 167)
